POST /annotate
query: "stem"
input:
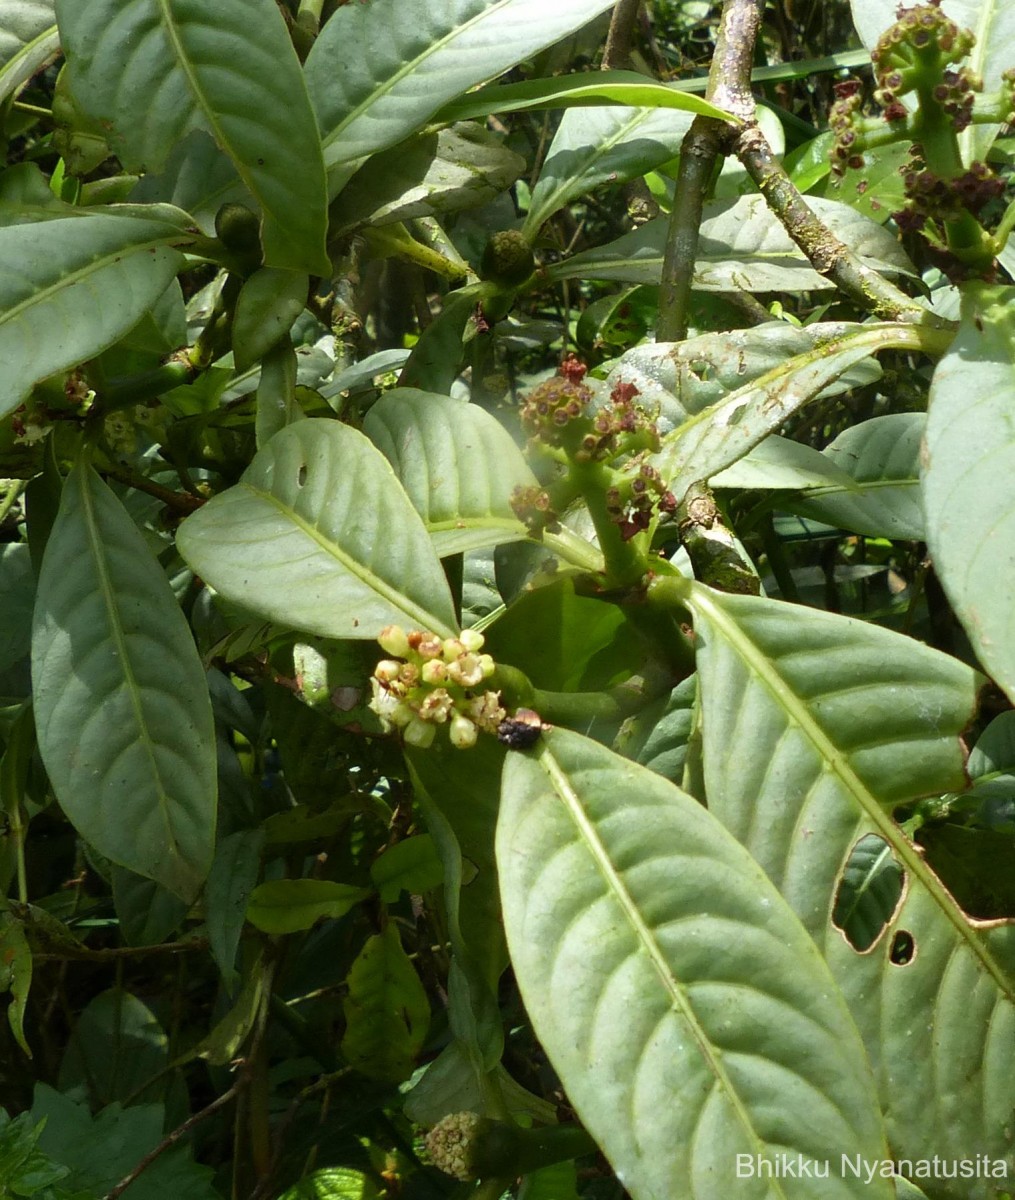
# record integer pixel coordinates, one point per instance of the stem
(181, 502)
(171, 1139)
(11, 497)
(829, 256)
(567, 544)
(626, 561)
(729, 87)
(143, 387)
(618, 41)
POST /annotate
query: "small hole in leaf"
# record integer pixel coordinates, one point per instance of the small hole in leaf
(903, 948)
(301, 474)
(868, 894)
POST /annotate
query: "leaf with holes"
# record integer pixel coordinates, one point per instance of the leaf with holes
(618, 888)
(121, 706)
(319, 535)
(716, 437)
(968, 478)
(457, 463)
(153, 70)
(815, 728)
(414, 56)
(70, 288)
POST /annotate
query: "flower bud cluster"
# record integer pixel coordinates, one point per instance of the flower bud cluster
(449, 1144)
(533, 506)
(631, 505)
(913, 55)
(560, 413)
(431, 681)
(848, 124)
(931, 196)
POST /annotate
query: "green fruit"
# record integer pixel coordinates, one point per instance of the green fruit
(238, 229)
(507, 259)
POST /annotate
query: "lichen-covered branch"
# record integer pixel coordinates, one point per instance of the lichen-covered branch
(729, 87)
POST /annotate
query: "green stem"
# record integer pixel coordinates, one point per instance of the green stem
(125, 393)
(566, 544)
(501, 1148)
(11, 497)
(626, 561)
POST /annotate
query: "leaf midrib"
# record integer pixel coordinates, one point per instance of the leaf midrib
(423, 618)
(109, 593)
(837, 761)
(650, 945)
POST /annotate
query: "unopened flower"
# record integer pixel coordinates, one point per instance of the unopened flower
(449, 1144)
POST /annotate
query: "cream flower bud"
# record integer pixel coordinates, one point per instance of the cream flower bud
(437, 706)
(420, 733)
(463, 732)
(395, 640)
(453, 648)
(387, 670)
(434, 671)
(472, 640)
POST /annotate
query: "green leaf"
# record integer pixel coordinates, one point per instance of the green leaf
(869, 892)
(618, 888)
(457, 463)
(332, 1183)
(716, 437)
(268, 304)
(626, 88)
(742, 245)
(15, 973)
(414, 56)
(117, 1046)
(28, 39)
(232, 878)
(779, 464)
(815, 728)
(676, 381)
(386, 1010)
(17, 599)
(276, 403)
(412, 865)
(969, 477)
(148, 913)
(881, 495)
(198, 177)
(121, 706)
(102, 1149)
(595, 146)
(319, 535)
(71, 287)
(429, 175)
(237, 78)
(290, 905)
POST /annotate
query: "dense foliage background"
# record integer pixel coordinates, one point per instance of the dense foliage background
(506, 644)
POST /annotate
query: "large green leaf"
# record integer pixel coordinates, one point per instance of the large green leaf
(70, 288)
(17, 599)
(413, 56)
(690, 1017)
(156, 69)
(815, 727)
(121, 705)
(28, 38)
(593, 146)
(717, 436)
(457, 463)
(320, 535)
(881, 495)
(969, 478)
(742, 245)
(993, 22)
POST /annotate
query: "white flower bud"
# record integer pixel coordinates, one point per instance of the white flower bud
(434, 671)
(420, 733)
(387, 670)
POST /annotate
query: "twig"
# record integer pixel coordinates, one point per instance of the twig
(171, 1139)
(729, 87)
(618, 41)
(87, 954)
(181, 502)
(827, 254)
